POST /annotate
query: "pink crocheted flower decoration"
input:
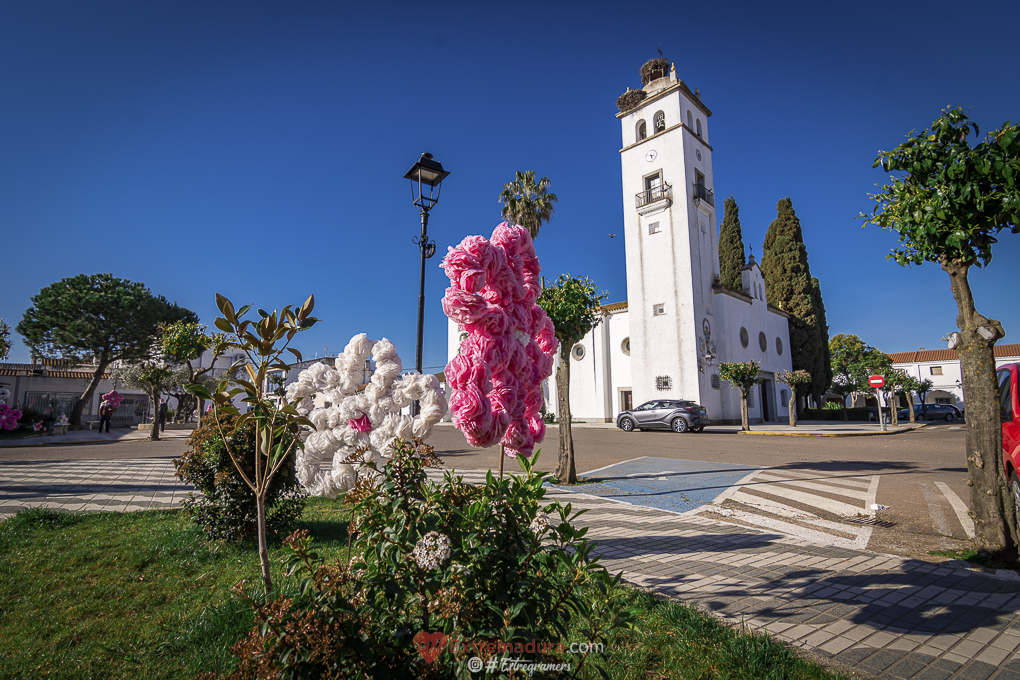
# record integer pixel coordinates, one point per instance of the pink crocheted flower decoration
(114, 397)
(362, 424)
(9, 417)
(497, 376)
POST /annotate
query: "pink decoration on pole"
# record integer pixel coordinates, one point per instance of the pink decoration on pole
(362, 424)
(497, 376)
(114, 397)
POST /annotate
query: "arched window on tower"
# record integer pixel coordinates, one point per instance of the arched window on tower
(690, 119)
(699, 127)
(642, 130)
(660, 122)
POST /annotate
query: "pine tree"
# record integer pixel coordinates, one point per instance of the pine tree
(731, 246)
(790, 287)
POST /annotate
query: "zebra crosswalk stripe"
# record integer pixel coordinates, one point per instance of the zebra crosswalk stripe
(763, 498)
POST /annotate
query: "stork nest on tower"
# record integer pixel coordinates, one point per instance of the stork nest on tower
(630, 99)
(653, 69)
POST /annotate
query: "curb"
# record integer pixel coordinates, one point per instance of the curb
(98, 441)
(831, 434)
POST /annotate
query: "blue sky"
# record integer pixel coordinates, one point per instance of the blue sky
(257, 149)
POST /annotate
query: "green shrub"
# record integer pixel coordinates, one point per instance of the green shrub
(226, 508)
(29, 417)
(465, 565)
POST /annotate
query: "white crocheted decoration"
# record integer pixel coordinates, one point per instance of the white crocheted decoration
(4, 394)
(354, 421)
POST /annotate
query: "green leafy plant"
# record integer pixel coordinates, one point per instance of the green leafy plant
(183, 342)
(449, 562)
(742, 376)
(226, 507)
(276, 424)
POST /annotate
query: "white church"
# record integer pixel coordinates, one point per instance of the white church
(678, 324)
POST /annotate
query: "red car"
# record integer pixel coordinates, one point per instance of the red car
(1009, 413)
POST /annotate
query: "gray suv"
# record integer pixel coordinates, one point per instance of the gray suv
(664, 414)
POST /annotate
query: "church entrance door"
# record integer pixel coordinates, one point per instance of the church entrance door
(626, 400)
(766, 405)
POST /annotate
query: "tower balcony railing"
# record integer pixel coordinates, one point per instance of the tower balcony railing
(704, 193)
(659, 193)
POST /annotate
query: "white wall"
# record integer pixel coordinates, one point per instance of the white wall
(949, 384)
(751, 312)
(597, 379)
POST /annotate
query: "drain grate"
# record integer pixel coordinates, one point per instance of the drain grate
(871, 521)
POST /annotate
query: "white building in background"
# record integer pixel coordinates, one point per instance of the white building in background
(667, 340)
(942, 367)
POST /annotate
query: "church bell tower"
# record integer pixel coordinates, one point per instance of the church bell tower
(670, 237)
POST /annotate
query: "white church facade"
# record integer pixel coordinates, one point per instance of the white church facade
(678, 323)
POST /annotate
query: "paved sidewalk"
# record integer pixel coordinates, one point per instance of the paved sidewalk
(878, 614)
(90, 485)
(117, 434)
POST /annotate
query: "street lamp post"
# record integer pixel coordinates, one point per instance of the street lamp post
(425, 173)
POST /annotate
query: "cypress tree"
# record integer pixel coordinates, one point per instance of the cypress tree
(731, 246)
(790, 287)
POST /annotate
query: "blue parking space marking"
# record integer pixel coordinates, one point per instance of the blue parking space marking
(665, 483)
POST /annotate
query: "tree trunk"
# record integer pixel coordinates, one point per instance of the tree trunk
(565, 471)
(743, 413)
(793, 407)
(990, 503)
(76, 412)
(154, 398)
(267, 576)
(910, 407)
(893, 416)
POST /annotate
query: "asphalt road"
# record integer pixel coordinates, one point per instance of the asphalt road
(908, 465)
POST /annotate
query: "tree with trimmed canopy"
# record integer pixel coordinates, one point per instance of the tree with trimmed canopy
(947, 202)
(574, 305)
(793, 380)
(743, 376)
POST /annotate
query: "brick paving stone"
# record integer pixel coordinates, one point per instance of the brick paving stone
(978, 671)
(908, 667)
(881, 660)
(993, 655)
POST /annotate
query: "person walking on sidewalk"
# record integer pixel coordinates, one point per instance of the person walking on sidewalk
(105, 414)
(162, 415)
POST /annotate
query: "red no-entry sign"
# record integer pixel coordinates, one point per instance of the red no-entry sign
(876, 381)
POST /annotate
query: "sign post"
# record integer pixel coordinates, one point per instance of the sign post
(878, 382)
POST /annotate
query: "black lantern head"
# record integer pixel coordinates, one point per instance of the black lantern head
(429, 173)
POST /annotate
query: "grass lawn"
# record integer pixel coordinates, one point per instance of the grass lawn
(144, 594)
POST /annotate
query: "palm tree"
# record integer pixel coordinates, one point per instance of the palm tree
(526, 202)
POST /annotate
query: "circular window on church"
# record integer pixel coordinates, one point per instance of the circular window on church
(779, 347)
(763, 342)
(625, 346)
(577, 352)
(744, 338)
